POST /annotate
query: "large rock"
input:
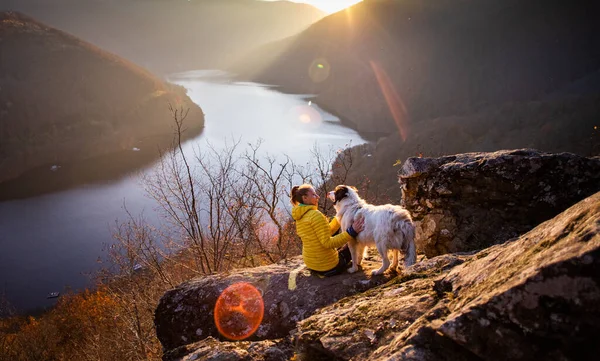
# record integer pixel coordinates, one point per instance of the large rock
(211, 349)
(536, 298)
(470, 201)
(290, 294)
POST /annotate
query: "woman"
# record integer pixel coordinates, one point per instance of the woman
(318, 246)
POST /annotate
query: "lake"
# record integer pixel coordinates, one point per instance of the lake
(53, 241)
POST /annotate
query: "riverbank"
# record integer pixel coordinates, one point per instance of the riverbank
(50, 178)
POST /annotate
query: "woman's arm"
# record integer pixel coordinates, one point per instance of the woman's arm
(334, 225)
(322, 232)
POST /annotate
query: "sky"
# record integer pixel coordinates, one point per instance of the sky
(329, 6)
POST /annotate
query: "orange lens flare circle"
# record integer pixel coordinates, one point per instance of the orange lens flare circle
(239, 311)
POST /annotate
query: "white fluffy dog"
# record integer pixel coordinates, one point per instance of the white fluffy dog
(386, 227)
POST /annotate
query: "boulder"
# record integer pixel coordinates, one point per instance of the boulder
(535, 298)
(470, 201)
(211, 349)
(289, 291)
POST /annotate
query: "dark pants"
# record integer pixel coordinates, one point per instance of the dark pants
(344, 261)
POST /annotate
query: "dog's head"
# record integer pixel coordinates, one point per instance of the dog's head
(343, 192)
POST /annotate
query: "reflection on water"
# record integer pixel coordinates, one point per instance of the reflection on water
(48, 242)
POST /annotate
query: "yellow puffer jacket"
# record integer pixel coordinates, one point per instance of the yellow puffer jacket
(318, 247)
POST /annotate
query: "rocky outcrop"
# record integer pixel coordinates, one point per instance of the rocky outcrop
(470, 201)
(536, 298)
(289, 291)
(215, 350)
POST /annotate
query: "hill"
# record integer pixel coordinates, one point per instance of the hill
(564, 124)
(64, 100)
(385, 65)
(173, 35)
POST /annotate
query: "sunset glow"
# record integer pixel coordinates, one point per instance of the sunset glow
(329, 6)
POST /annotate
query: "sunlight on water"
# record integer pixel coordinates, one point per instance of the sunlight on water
(306, 115)
(304, 118)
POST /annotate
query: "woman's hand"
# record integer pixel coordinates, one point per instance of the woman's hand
(359, 224)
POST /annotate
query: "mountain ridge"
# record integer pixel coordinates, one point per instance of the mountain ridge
(440, 58)
(172, 36)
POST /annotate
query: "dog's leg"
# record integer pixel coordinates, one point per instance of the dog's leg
(395, 261)
(384, 257)
(353, 245)
(360, 253)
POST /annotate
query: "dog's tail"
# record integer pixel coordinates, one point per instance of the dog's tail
(411, 253)
(407, 229)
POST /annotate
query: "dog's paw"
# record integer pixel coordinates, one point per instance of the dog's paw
(377, 272)
(352, 269)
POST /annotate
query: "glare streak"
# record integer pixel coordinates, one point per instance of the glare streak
(392, 98)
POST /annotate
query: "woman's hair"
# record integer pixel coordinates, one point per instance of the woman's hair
(298, 192)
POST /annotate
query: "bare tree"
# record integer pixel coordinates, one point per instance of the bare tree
(219, 203)
(271, 180)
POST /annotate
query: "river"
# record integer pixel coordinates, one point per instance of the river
(52, 242)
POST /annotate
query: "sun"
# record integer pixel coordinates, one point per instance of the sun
(329, 6)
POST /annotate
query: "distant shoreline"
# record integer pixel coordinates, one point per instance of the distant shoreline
(95, 170)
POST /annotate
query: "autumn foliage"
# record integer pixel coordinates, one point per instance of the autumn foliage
(82, 326)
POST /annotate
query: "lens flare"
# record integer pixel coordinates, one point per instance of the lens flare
(304, 118)
(239, 311)
(306, 114)
(393, 100)
(319, 70)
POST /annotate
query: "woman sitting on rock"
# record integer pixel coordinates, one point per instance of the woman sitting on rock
(318, 246)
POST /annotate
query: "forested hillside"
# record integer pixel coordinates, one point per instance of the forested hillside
(63, 99)
(569, 124)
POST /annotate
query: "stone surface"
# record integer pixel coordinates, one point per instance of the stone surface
(211, 349)
(290, 293)
(536, 298)
(470, 201)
